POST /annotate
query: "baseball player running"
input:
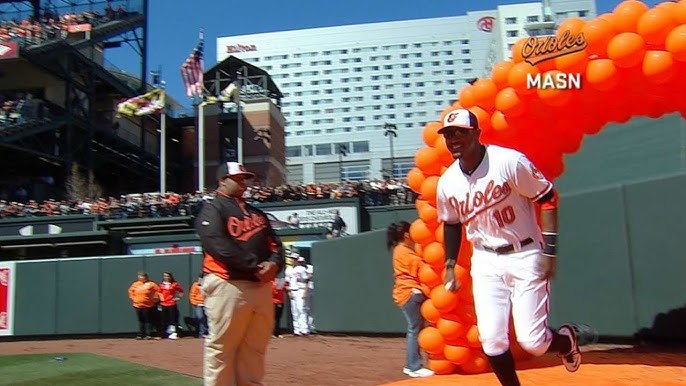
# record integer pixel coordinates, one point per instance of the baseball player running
(491, 190)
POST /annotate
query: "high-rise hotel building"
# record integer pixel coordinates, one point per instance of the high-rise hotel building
(351, 87)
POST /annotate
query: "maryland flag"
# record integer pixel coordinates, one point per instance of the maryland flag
(150, 103)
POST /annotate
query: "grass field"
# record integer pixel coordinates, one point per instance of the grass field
(84, 370)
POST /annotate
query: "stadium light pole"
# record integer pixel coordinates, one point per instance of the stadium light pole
(163, 146)
(201, 145)
(391, 131)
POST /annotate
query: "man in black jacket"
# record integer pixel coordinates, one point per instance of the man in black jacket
(242, 256)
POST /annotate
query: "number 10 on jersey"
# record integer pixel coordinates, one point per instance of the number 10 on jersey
(504, 216)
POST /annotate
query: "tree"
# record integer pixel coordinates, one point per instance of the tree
(78, 187)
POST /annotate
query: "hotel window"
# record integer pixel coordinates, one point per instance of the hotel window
(532, 19)
(449, 62)
(510, 20)
(512, 34)
(465, 51)
(583, 13)
(464, 41)
(361, 147)
(323, 149)
(293, 151)
(404, 56)
(419, 84)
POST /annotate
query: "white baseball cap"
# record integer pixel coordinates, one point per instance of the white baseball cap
(233, 169)
(459, 118)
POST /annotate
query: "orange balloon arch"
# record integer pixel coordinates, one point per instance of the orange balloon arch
(630, 62)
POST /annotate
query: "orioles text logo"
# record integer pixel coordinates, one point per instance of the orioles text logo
(485, 23)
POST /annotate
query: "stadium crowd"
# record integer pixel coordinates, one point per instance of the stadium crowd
(142, 205)
(51, 25)
(19, 108)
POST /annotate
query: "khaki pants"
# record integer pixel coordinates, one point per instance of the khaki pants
(240, 315)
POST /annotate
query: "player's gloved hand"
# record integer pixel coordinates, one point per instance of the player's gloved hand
(449, 281)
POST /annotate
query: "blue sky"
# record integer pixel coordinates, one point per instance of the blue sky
(174, 24)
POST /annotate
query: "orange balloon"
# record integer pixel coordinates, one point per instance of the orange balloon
(499, 122)
(434, 255)
(658, 66)
(457, 354)
(426, 159)
(427, 213)
(439, 233)
(430, 132)
(426, 290)
(655, 25)
(467, 97)
(484, 91)
(473, 337)
(445, 157)
(482, 116)
(598, 33)
(626, 49)
(499, 73)
(420, 233)
(679, 12)
(415, 177)
(428, 189)
(517, 50)
(429, 312)
(441, 366)
(451, 329)
(572, 63)
(518, 78)
(444, 300)
(676, 43)
(602, 74)
(573, 24)
(509, 103)
(476, 364)
(554, 94)
(431, 340)
(627, 15)
(428, 276)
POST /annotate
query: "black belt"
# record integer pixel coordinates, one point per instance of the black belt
(508, 248)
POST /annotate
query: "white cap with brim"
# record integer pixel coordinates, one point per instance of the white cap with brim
(227, 169)
(459, 118)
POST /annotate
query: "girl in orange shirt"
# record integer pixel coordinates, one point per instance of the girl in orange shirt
(170, 292)
(407, 293)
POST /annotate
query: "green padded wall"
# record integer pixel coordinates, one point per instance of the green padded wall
(353, 283)
(35, 309)
(380, 217)
(657, 220)
(116, 275)
(78, 296)
(593, 283)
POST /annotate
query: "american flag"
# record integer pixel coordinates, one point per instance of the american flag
(192, 70)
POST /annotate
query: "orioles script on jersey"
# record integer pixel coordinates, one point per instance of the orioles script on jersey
(473, 205)
(245, 228)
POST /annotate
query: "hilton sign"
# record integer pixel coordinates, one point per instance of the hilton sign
(232, 48)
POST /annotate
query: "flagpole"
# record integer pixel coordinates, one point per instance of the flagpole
(163, 152)
(239, 124)
(201, 147)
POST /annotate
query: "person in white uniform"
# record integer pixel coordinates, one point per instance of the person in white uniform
(297, 290)
(309, 297)
(491, 191)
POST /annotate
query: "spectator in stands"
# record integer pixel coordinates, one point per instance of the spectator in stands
(170, 293)
(144, 295)
(197, 301)
(294, 221)
(407, 293)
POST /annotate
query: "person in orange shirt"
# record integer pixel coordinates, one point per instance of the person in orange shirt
(407, 293)
(170, 292)
(278, 298)
(143, 294)
(197, 301)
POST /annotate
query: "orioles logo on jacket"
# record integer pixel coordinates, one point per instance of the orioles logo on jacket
(245, 228)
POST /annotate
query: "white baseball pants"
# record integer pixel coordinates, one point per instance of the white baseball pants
(516, 282)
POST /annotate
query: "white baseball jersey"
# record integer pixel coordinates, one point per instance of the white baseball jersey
(495, 203)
